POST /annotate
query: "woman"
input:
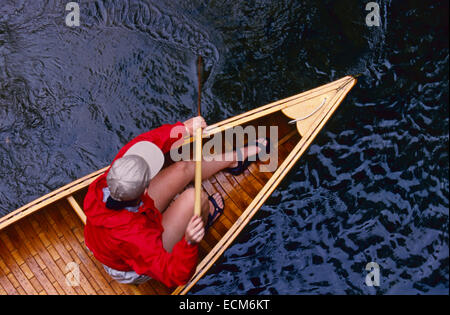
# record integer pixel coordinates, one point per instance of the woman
(140, 221)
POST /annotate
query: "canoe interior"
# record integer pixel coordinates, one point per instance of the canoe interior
(35, 250)
(239, 191)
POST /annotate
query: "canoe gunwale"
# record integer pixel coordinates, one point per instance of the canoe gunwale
(50, 198)
(265, 192)
(277, 106)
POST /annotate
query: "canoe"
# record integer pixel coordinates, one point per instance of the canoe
(42, 247)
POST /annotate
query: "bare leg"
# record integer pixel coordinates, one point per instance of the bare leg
(173, 179)
(176, 218)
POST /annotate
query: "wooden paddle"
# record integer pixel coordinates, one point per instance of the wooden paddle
(198, 146)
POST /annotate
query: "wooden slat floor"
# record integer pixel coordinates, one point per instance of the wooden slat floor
(35, 251)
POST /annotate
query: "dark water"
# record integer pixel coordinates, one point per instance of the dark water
(374, 185)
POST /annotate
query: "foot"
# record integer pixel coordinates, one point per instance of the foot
(212, 210)
(248, 151)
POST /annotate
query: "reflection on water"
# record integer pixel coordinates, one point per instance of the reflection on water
(372, 187)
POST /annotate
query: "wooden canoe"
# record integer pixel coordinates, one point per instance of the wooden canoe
(41, 241)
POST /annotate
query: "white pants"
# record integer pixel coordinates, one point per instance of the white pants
(126, 277)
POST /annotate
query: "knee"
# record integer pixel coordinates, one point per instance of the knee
(185, 167)
(189, 197)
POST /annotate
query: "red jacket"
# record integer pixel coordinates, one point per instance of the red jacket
(126, 241)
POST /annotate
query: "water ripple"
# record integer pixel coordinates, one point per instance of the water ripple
(372, 187)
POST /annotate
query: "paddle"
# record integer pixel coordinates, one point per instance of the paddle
(198, 146)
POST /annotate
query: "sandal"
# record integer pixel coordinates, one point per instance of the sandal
(217, 212)
(243, 165)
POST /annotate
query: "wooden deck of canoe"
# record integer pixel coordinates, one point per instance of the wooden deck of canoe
(40, 242)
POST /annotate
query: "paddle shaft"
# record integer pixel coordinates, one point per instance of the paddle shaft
(198, 147)
(198, 171)
(199, 76)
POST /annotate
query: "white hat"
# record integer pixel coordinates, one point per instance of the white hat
(130, 175)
